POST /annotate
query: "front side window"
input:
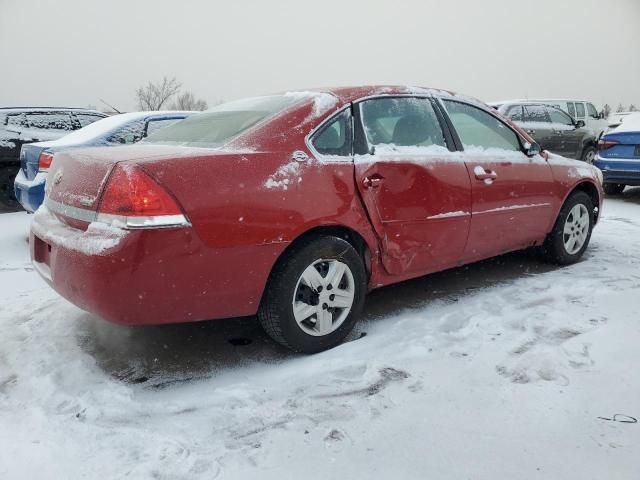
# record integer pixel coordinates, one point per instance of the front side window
(571, 109)
(87, 118)
(219, 125)
(535, 113)
(592, 111)
(335, 137)
(579, 109)
(401, 122)
(50, 121)
(558, 116)
(478, 129)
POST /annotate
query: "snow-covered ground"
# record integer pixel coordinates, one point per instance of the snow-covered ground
(498, 370)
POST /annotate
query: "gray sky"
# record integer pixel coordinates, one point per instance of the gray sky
(73, 52)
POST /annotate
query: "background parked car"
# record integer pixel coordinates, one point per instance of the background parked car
(24, 125)
(127, 128)
(619, 155)
(293, 206)
(615, 119)
(552, 128)
(578, 109)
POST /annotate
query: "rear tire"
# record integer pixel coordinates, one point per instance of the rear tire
(613, 188)
(589, 154)
(571, 233)
(299, 310)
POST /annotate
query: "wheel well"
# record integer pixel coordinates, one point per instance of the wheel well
(591, 190)
(340, 231)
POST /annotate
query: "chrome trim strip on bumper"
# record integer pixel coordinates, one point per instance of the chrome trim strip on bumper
(121, 221)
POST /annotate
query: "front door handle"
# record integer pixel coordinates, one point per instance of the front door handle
(482, 173)
(530, 132)
(373, 181)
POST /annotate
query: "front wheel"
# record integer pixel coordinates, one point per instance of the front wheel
(613, 188)
(571, 233)
(314, 295)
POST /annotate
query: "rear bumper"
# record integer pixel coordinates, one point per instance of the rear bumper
(148, 276)
(619, 170)
(30, 193)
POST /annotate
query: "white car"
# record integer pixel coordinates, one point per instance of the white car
(578, 109)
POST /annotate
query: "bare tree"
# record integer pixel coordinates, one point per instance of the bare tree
(620, 108)
(606, 110)
(188, 101)
(632, 108)
(154, 95)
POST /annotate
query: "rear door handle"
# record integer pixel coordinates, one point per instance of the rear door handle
(530, 132)
(484, 173)
(373, 181)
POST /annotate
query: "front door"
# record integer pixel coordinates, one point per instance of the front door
(416, 191)
(512, 194)
(569, 138)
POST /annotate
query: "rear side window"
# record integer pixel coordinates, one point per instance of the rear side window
(335, 137)
(477, 128)
(579, 109)
(155, 125)
(571, 109)
(50, 121)
(401, 122)
(514, 112)
(127, 134)
(87, 118)
(219, 125)
(535, 113)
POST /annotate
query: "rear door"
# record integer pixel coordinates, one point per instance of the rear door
(416, 190)
(512, 194)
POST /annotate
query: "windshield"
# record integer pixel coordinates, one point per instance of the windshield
(217, 126)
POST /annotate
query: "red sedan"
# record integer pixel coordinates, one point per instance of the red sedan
(293, 206)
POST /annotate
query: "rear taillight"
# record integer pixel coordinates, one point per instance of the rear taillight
(135, 199)
(44, 161)
(604, 144)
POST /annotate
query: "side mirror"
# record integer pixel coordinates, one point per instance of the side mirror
(532, 149)
(580, 124)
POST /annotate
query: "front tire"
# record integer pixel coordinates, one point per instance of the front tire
(315, 295)
(613, 188)
(571, 233)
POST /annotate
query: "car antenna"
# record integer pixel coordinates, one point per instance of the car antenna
(110, 106)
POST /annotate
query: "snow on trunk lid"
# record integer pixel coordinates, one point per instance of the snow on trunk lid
(76, 179)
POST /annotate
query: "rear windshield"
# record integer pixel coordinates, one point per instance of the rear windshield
(219, 125)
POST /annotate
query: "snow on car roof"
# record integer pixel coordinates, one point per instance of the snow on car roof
(99, 128)
(48, 109)
(630, 123)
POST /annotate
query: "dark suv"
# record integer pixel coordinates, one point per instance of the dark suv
(26, 125)
(554, 129)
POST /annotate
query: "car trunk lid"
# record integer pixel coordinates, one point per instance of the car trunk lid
(77, 178)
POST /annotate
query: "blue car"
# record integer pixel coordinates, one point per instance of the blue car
(123, 129)
(619, 155)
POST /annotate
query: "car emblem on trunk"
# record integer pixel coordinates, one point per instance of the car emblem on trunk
(57, 178)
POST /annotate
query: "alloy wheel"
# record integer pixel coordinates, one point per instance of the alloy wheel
(323, 297)
(576, 229)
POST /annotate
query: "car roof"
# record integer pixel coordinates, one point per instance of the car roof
(350, 94)
(48, 109)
